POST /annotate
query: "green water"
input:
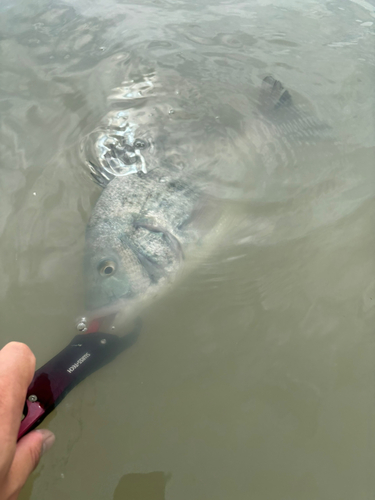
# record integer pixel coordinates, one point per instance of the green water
(254, 379)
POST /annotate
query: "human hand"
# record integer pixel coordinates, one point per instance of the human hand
(17, 460)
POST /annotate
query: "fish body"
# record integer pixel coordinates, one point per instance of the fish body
(147, 223)
(139, 234)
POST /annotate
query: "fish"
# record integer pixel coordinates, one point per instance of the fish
(147, 223)
(139, 236)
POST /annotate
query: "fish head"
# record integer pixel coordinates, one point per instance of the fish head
(126, 263)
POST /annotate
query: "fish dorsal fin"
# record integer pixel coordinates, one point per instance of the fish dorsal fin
(273, 95)
(290, 120)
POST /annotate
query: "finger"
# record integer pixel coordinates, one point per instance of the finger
(17, 365)
(28, 452)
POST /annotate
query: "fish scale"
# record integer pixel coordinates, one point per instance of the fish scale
(142, 224)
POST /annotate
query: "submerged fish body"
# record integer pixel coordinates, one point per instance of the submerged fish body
(139, 233)
(145, 225)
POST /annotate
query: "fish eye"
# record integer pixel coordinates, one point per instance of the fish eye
(107, 268)
(139, 144)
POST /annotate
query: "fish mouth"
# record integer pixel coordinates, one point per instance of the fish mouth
(104, 311)
(124, 306)
(100, 324)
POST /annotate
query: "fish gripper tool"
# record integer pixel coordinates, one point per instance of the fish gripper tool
(85, 354)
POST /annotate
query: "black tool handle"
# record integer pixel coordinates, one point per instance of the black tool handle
(85, 354)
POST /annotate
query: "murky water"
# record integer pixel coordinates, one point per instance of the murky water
(255, 378)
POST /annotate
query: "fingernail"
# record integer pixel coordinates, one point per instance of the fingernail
(48, 440)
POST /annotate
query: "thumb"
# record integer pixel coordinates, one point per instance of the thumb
(28, 452)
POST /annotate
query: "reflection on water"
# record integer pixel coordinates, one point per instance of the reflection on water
(255, 377)
(150, 486)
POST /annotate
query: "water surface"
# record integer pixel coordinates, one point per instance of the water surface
(255, 378)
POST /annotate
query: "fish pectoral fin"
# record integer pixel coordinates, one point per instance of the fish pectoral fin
(153, 269)
(202, 218)
(152, 226)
